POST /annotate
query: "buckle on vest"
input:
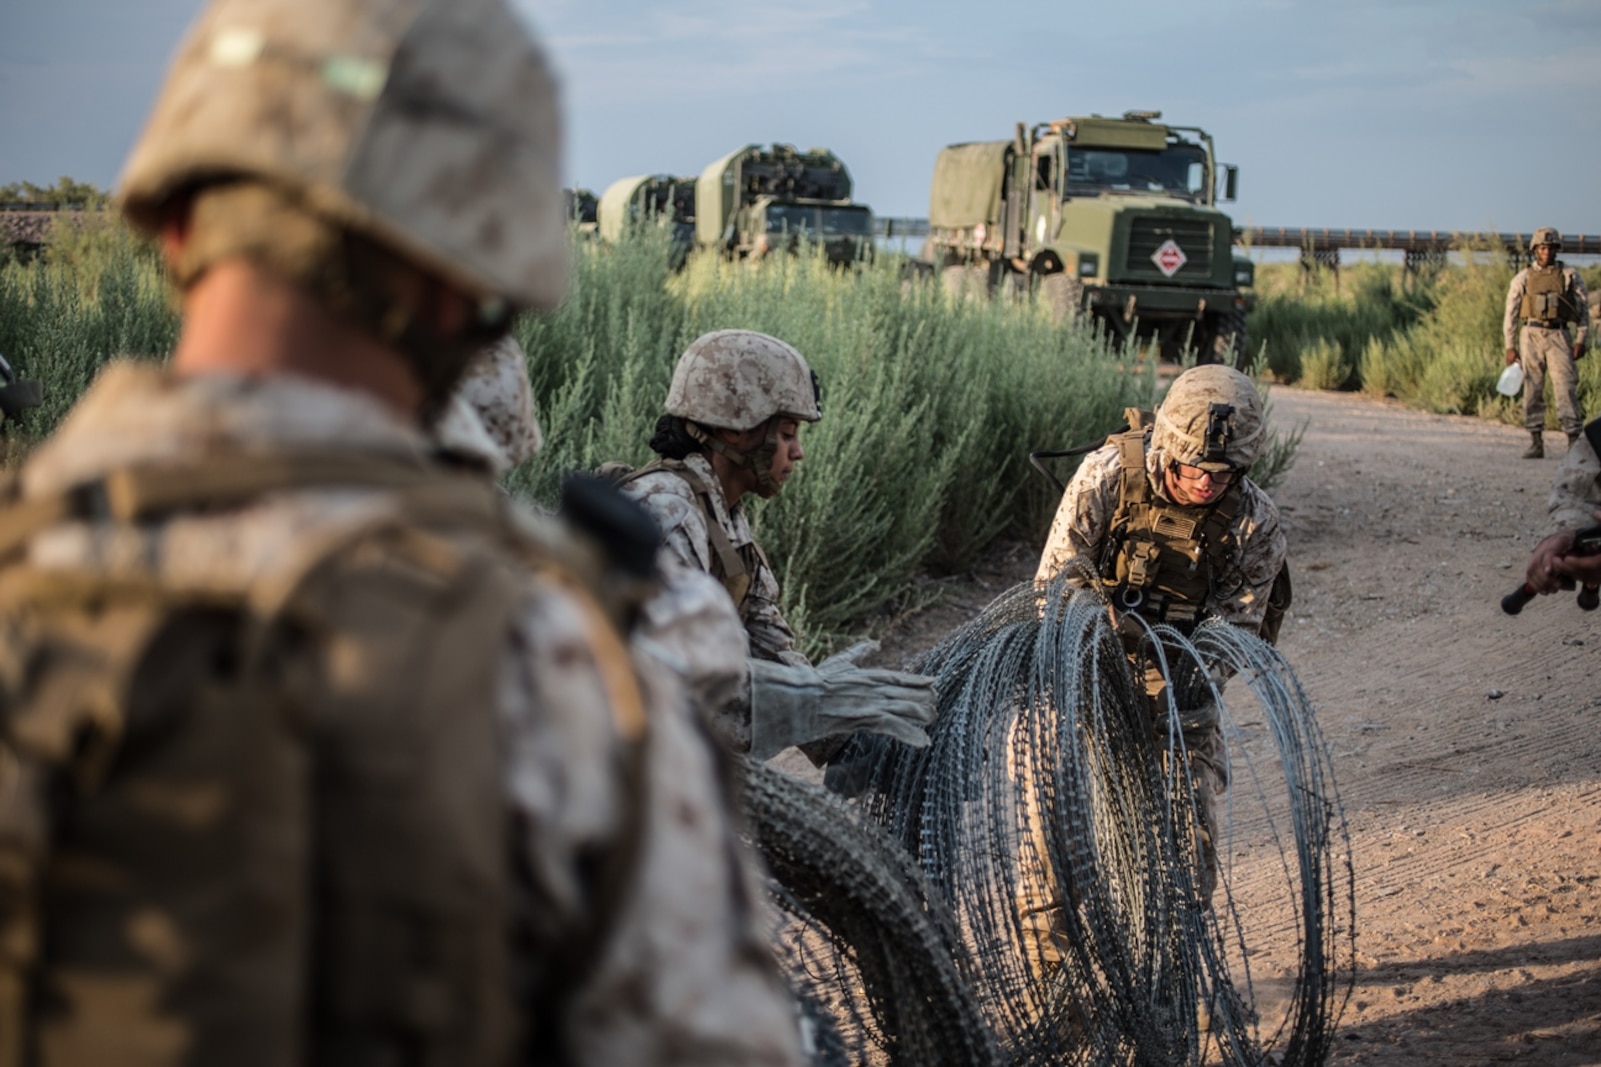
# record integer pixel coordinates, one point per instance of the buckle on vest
(1142, 564)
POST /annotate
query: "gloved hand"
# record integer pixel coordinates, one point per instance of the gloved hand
(794, 705)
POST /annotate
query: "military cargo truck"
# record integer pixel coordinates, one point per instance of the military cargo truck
(650, 198)
(1110, 217)
(756, 200)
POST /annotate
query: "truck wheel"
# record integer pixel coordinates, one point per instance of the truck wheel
(965, 280)
(1061, 293)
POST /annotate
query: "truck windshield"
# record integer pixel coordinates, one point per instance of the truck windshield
(819, 221)
(1178, 170)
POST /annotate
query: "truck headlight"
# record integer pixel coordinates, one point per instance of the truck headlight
(1088, 266)
(1244, 275)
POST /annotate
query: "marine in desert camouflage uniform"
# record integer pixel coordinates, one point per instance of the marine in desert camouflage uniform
(1574, 504)
(311, 748)
(1138, 511)
(732, 425)
(1545, 300)
(491, 415)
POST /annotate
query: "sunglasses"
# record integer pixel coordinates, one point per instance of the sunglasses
(1187, 473)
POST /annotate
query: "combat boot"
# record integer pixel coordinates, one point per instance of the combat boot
(1536, 449)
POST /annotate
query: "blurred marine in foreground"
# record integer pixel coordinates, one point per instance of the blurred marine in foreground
(311, 748)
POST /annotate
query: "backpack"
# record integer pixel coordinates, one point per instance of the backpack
(263, 822)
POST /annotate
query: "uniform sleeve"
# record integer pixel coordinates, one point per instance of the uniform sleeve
(770, 635)
(1084, 516)
(690, 625)
(1242, 598)
(1575, 495)
(1514, 303)
(1581, 303)
(671, 503)
(682, 974)
(689, 979)
(496, 386)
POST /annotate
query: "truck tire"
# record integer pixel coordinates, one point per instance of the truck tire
(1061, 294)
(965, 280)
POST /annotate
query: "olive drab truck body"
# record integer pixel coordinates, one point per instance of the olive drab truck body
(1110, 217)
(756, 200)
(657, 199)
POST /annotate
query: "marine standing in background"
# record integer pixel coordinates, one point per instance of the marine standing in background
(312, 750)
(1165, 521)
(732, 428)
(1545, 300)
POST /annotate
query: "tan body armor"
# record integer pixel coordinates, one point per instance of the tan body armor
(1546, 300)
(265, 825)
(735, 568)
(1161, 559)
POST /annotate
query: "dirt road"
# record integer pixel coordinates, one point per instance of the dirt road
(1467, 744)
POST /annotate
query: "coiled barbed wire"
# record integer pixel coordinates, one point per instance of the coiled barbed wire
(869, 950)
(1060, 824)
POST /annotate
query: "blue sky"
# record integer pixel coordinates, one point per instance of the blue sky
(1427, 114)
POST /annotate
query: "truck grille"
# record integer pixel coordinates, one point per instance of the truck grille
(1148, 233)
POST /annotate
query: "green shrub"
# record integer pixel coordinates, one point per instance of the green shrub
(931, 404)
(97, 293)
(930, 408)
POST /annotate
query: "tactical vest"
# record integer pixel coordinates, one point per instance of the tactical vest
(1546, 300)
(265, 824)
(1161, 559)
(735, 568)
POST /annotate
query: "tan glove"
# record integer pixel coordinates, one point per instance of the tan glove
(795, 705)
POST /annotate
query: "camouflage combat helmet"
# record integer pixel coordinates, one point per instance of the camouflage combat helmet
(429, 126)
(1546, 235)
(740, 380)
(1211, 418)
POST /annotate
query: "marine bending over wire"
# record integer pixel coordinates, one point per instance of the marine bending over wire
(1164, 521)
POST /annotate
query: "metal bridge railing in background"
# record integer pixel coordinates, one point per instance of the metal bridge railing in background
(1325, 240)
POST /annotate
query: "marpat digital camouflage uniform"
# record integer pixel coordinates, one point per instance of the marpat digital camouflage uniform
(685, 605)
(681, 976)
(312, 747)
(496, 389)
(1546, 349)
(1576, 491)
(1080, 546)
(1081, 527)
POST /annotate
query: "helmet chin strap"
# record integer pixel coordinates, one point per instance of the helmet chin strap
(758, 460)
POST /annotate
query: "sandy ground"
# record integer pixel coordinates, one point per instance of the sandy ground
(1466, 743)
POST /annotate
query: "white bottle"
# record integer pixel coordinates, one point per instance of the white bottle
(1511, 380)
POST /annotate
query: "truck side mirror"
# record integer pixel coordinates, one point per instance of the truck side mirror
(1231, 182)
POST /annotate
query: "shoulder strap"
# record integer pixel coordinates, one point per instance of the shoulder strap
(1134, 482)
(728, 565)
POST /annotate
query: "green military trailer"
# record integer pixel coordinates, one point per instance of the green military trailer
(757, 200)
(650, 199)
(1110, 217)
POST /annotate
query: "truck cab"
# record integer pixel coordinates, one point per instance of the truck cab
(1110, 217)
